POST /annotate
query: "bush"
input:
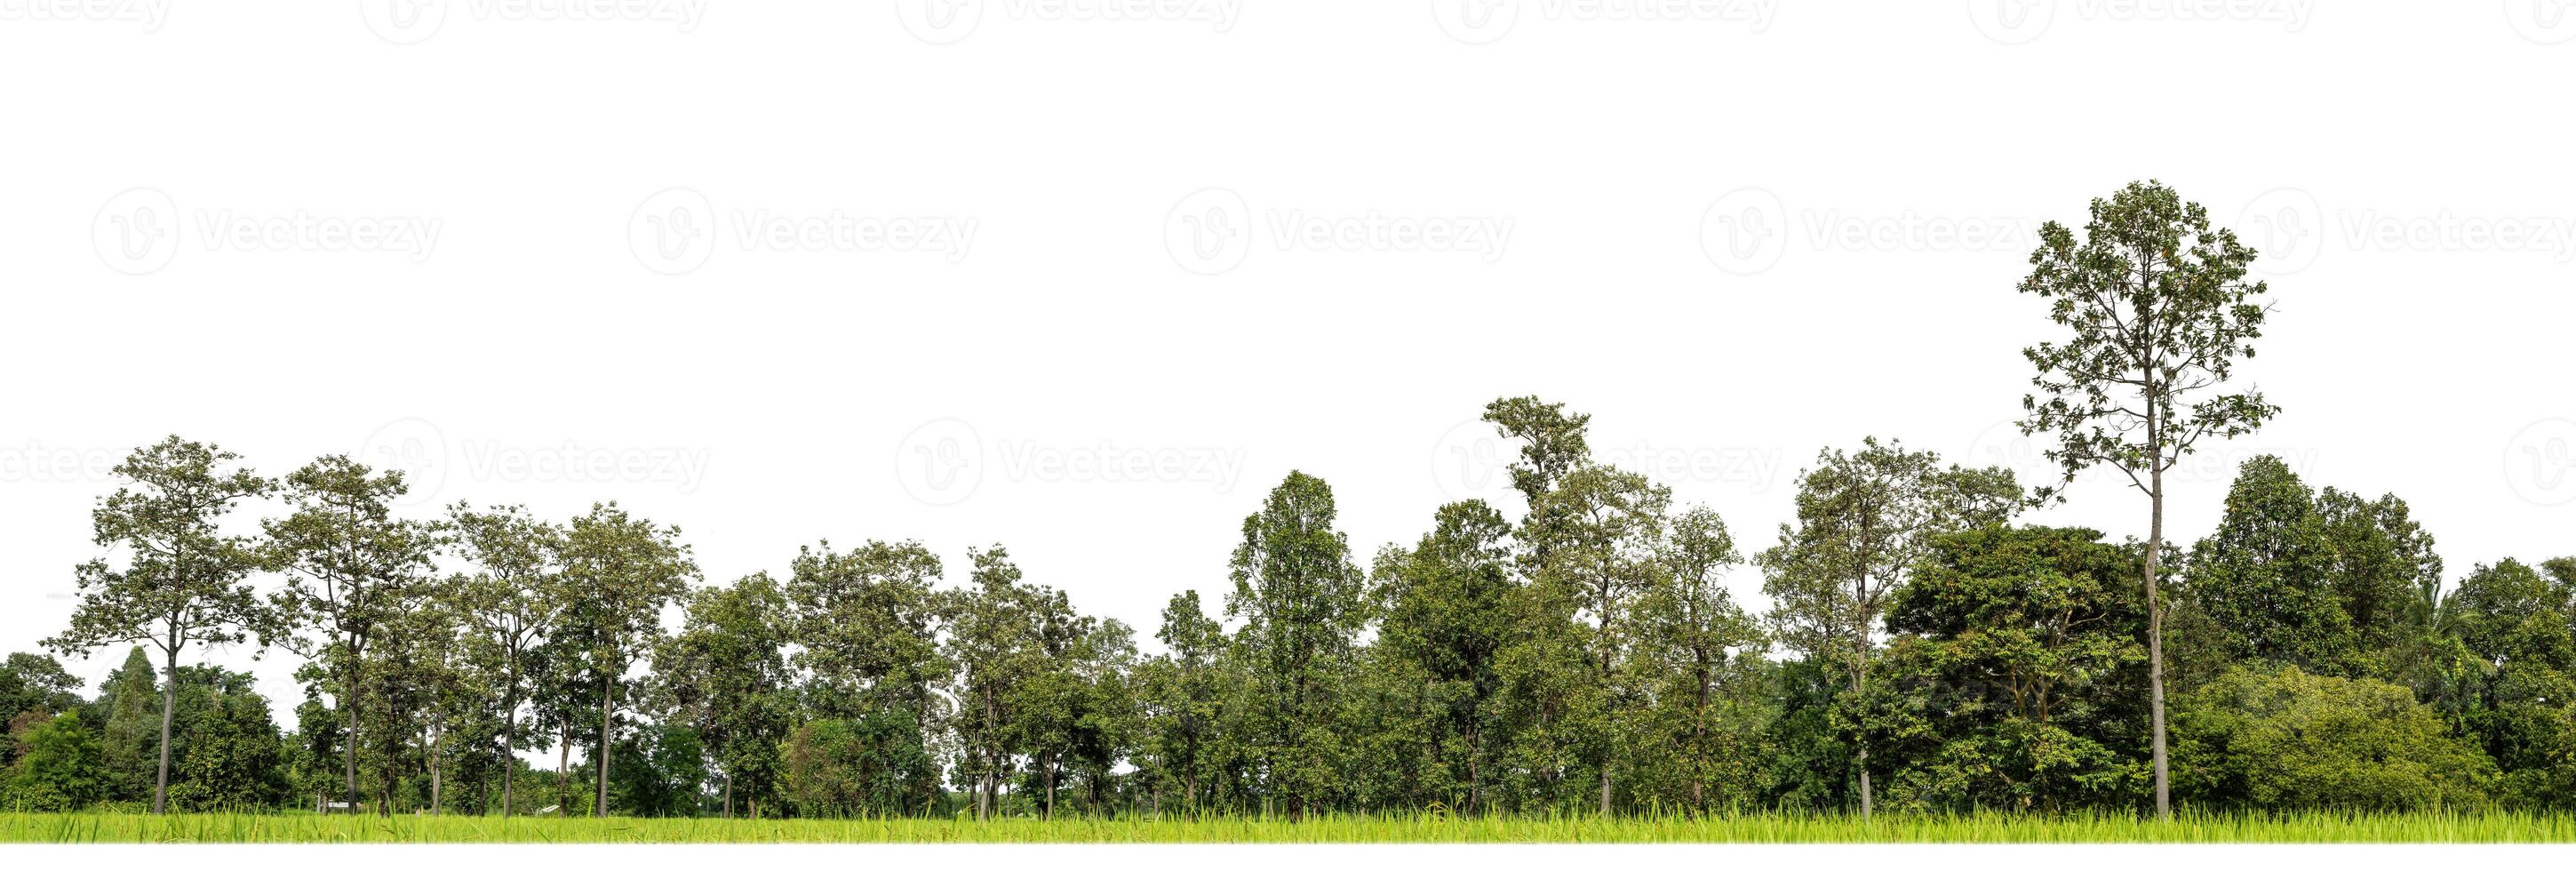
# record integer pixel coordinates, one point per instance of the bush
(2288, 740)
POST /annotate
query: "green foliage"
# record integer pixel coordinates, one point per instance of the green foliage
(2288, 740)
(59, 766)
(2264, 580)
(2013, 679)
(1302, 605)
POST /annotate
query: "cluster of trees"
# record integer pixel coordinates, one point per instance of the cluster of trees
(1580, 653)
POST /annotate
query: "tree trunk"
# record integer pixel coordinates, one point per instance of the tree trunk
(607, 707)
(509, 751)
(169, 705)
(349, 736)
(728, 797)
(2156, 639)
(563, 768)
(437, 772)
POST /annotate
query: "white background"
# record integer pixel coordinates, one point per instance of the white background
(1736, 233)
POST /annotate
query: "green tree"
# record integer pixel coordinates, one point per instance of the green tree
(2284, 740)
(509, 601)
(60, 768)
(184, 581)
(36, 682)
(2512, 623)
(350, 566)
(1863, 519)
(2011, 682)
(627, 569)
(867, 625)
(725, 675)
(229, 755)
(1447, 606)
(1699, 657)
(2159, 310)
(1183, 691)
(2385, 572)
(1302, 605)
(2264, 579)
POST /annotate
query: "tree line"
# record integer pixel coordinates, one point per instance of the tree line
(1923, 649)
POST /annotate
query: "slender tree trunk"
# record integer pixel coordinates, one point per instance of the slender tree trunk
(728, 797)
(607, 707)
(1860, 759)
(169, 706)
(437, 781)
(509, 748)
(2156, 639)
(563, 768)
(349, 715)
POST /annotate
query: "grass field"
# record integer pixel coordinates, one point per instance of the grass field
(1428, 828)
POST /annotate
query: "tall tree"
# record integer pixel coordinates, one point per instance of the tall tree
(1608, 531)
(1863, 519)
(184, 581)
(867, 629)
(725, 675)
(992, 636)
(1301, 600)
(350, 567)
(2160, 312)
(1183, 692)
(509, 601)
(1700, 655)
(626, 570)
(1447, 605)
(2263, 578)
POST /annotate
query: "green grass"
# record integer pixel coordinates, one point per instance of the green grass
(1421, 828)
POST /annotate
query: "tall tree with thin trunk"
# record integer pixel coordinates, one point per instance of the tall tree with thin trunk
(2160, 312)
(1864, 518)
(625, 570)
(350, 567)
(509, 601)
(184, 580)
